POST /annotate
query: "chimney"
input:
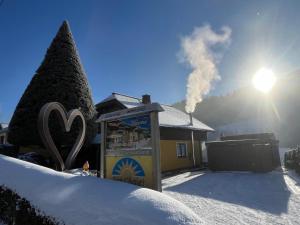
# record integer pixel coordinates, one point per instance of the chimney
(191, 119)
(146, 99)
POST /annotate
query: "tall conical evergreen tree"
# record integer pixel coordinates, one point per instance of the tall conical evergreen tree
(60, 78)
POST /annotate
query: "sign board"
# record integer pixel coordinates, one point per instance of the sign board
(130, 146)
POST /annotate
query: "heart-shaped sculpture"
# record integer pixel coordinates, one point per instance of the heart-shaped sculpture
(66, 122)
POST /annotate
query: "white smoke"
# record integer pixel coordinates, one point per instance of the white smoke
(202, 51)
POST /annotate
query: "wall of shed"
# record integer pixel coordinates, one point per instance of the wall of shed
(243, 155)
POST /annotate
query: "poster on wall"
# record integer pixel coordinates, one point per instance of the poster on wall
(127, 134)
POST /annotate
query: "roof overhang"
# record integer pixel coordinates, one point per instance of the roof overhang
(187, 128)
(131, 111)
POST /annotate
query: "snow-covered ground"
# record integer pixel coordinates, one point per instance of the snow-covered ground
(238, 197)
(189, 198)
(86, 200)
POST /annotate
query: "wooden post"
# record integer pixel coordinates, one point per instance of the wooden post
(193, 148)
(192, 138)
(98, 161)
(102, 150)
(155, 136)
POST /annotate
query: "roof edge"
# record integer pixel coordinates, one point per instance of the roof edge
(187, 128)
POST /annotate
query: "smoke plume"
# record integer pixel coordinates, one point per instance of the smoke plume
(202, 50)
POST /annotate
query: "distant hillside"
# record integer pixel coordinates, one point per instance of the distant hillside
(247, 110)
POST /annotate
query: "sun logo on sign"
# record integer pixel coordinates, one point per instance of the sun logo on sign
(127, 168)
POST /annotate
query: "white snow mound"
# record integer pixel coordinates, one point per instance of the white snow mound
(90, 200)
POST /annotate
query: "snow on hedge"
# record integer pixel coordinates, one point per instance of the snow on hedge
(90, 200)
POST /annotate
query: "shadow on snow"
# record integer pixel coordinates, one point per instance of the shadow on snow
(261, 191)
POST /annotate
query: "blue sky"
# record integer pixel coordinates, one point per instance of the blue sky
(132, 47)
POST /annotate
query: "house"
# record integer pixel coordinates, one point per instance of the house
(3, 133)
(181, 135)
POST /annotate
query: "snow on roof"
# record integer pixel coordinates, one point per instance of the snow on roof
(170, 117)
(127, 101)
(82, 200)
(173, 117)
(3, 125)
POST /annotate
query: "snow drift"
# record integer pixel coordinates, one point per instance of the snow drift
(89, 200)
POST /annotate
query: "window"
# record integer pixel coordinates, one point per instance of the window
(181, 150)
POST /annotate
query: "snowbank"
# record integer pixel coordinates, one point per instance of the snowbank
(90, 200)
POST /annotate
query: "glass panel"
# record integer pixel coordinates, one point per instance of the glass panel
(131, 133)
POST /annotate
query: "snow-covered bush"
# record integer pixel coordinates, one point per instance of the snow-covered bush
(82, 200)
(19, 211)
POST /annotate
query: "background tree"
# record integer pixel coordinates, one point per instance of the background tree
(60, 78)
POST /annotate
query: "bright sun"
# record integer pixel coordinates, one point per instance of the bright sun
(263, 80)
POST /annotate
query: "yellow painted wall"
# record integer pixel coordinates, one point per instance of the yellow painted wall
(169, 159)
(168, 155)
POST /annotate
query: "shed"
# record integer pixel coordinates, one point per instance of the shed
(259, 154)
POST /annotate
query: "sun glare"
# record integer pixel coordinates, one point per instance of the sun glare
(263, 80)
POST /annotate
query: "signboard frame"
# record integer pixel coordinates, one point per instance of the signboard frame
(149, 109)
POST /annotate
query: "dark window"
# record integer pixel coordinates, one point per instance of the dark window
(2, 140)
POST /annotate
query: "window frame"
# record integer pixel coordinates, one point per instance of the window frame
(178, 149)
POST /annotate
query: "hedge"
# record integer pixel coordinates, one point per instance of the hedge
(15, 210)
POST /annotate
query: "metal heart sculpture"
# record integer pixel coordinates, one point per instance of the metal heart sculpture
(66, 122)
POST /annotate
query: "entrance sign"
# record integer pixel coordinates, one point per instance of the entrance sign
(130, 149)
